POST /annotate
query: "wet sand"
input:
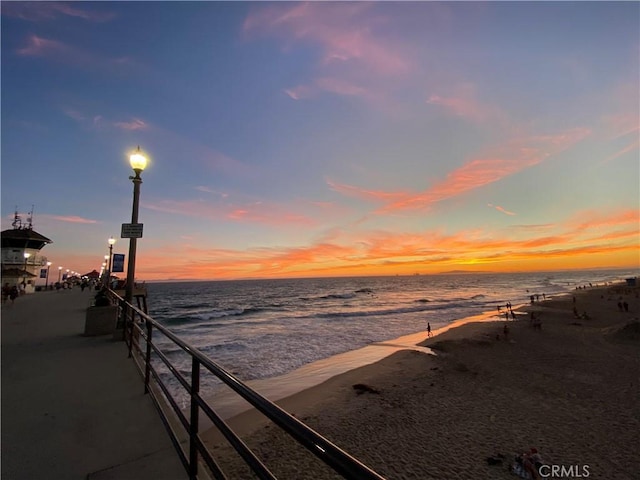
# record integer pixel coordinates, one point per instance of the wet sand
(570, 389)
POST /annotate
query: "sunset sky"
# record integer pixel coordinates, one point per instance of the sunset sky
(326, 139)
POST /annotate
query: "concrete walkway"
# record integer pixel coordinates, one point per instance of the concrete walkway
(73, 407)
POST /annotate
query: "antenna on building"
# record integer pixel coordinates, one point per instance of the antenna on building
(30, 219)
(17, 221)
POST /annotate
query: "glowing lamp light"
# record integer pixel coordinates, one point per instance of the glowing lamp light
(138, 161)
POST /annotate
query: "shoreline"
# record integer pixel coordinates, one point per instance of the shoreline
(228, 404)
(481, 383)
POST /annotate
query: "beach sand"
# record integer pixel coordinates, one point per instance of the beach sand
(571, 389)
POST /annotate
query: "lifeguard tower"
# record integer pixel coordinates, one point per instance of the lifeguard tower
(21, 259)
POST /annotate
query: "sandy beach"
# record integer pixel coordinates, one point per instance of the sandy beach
(570, 389)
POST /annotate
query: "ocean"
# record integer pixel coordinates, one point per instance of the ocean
(261, 329)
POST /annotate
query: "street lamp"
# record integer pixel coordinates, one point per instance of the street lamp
(138, 163)
(111, 242)
(46, 282)
(26, 257)
(59, 274)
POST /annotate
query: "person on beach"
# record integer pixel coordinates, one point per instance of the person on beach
(428, 329)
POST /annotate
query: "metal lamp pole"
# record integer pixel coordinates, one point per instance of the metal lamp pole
(138, 163)
(26, 257)
(59, 274)
(111, 242)
(46, 282)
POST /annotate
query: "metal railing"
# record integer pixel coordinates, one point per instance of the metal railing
(139, 330)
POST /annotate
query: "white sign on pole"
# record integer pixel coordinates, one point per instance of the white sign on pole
(131, 230)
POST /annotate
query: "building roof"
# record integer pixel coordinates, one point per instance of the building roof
(23, 238)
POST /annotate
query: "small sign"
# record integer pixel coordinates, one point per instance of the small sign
(131, 230)
(117, 264)
(43, 273)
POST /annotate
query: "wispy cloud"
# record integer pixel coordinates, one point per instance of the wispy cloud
(70, 218)
(364, 194)
(54, 50)
(344, 31)
(331, 85)
(464, 103)
(270, 214)
(500, 209)
(97, 121)
(485, 168)
(635, 145)
(47, 11)
(201, 188)
(134, 124)
(355, 53)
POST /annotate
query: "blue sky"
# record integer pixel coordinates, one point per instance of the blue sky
(303, 139)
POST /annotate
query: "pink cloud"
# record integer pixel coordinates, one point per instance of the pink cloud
(343, 30)
(70, 219)
(500, 209)
(38, 46)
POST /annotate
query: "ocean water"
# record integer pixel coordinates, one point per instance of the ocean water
(259, 329)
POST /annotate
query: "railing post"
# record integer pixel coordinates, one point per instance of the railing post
(131, 324)
(193, 423)
(147, 362)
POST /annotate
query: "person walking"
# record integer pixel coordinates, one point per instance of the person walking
(13, 294)
(428, 329)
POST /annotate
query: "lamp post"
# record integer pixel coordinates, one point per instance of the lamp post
(26, 257)
(46, 282)
(59, 273)
(138, 163)
(111, 242)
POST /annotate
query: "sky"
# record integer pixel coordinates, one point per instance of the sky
(326, 138)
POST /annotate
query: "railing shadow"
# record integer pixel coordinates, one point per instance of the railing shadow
(139, 333)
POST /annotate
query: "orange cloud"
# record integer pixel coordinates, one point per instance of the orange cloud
(371, 195)
(502, 161)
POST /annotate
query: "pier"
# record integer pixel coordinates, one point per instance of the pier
(73, 407)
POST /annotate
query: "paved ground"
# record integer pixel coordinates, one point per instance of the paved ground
(73, 407)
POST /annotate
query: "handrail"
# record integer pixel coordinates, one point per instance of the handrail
(330, 454)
